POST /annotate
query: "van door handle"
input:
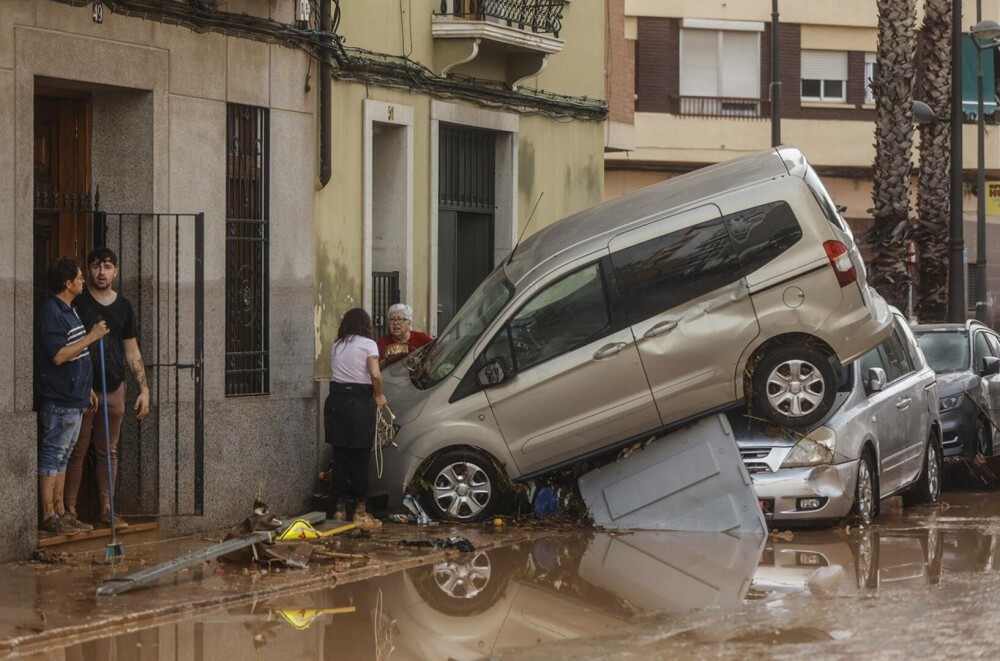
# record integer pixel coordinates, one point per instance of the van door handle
(609, 350)
(903, 403)
(661, 328)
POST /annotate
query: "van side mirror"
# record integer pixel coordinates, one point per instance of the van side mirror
(991, 366)
(491, 374)
(875, 379)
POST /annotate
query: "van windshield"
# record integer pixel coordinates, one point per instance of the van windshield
(464, 329)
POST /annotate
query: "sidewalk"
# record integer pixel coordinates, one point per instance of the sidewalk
(48, 603)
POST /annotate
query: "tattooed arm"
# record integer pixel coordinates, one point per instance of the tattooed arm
(134, 359)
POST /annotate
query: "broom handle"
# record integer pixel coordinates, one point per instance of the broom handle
(107, 439)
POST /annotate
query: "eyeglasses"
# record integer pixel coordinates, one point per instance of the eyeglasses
(398, 320)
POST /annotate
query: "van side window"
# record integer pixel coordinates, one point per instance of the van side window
(762, 233)
(662, 273)
(822, 198)
(563, 316)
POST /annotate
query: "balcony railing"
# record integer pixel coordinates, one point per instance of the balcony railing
(717, 106)
(542, 16)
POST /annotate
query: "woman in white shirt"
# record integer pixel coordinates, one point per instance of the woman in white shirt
(349, 413)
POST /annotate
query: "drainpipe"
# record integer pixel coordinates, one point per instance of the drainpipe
(325, 80)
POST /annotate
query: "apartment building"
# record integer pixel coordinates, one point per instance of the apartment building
(701, 96)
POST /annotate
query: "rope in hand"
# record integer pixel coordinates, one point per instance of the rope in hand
(385, 435)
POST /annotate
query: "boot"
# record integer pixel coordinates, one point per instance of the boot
(340, 512)
(364, 520)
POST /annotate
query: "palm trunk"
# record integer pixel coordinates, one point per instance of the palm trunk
(893, 89)
(933, 188)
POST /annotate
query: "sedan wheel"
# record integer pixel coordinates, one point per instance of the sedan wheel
(865, 492)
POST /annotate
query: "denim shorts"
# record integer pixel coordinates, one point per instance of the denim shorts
(60, 428)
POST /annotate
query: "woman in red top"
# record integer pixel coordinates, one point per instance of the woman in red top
(400, 340)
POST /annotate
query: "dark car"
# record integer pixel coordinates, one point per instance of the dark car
(966, 358)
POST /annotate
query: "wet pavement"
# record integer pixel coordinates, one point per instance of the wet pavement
(924, 581)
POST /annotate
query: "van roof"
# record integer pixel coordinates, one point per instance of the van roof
(590, 229)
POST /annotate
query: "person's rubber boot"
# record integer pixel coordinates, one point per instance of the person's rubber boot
(364, 520)
(340, 512)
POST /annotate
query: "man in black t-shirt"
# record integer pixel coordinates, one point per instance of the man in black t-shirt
(121, 348)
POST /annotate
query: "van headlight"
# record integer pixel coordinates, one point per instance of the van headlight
(815, 449)
(950, 402)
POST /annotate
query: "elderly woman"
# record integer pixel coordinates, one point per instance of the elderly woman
(349, 413)
(401, 339)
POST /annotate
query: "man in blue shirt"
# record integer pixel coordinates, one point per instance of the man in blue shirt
(64, 386)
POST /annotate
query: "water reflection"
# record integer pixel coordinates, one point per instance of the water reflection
(472, 605)
(565, 587)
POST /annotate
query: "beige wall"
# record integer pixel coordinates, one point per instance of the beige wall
(559, 163)
(383, 26)
(559, 168)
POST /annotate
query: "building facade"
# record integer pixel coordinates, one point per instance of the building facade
(701, 96)
(182, 137)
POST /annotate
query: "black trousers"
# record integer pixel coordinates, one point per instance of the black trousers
(349, 416)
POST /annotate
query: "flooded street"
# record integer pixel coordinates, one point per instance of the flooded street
(923, 581)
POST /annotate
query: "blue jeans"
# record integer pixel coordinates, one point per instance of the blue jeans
(60, 427)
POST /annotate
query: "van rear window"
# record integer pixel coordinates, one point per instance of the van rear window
(762, 233)
(824, 201)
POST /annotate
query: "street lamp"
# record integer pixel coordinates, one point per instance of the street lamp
(984, 35)
(956, 241)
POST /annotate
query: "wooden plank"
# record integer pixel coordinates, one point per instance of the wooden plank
(126, 583)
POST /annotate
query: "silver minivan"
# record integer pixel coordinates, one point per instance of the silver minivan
(738, 282)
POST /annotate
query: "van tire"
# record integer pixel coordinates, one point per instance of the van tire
(464, 486)
(784, 368)
(927, 489)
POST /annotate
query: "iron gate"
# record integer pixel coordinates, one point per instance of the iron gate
(385, 292)
(162, 271)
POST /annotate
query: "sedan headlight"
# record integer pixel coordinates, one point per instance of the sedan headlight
(951, 402)
(813, 450)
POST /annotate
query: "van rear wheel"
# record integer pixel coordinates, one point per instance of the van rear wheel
(794, 385)
(464, 486)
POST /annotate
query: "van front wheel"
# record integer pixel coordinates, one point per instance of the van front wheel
(794, 385)
(464, 486)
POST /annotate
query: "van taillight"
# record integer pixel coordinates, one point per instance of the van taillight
(840, 259)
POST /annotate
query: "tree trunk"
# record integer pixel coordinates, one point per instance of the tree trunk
(934, 185)
(893, 90)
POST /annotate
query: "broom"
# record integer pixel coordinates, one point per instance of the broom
(115, 549)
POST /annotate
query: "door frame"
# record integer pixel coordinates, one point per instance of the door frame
(505, 217)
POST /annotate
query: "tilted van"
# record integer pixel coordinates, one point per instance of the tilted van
(737, 282)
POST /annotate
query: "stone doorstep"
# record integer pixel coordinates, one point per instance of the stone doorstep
(288, 582)
(71, 543)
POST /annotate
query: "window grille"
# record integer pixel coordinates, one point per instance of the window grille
(247, 273)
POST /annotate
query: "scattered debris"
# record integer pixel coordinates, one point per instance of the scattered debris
(48, 558)
(460, 543)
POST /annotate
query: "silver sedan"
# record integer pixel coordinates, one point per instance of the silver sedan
(882, 438)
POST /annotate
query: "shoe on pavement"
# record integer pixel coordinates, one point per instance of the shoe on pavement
(69, 518)
(119, 522)
(57, 526)
(364, 520)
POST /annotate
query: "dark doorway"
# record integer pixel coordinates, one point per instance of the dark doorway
(466, 211)
(62, 193)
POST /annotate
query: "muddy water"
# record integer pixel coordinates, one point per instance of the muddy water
(923, 582)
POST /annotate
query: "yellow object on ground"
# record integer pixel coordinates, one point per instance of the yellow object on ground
(301, 618)
(301, 530)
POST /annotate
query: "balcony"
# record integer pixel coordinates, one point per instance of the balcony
(717, 106)
(477, 35)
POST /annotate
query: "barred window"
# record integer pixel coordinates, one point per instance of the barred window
(247, 214)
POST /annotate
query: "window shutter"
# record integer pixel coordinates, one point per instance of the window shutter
(699, 63)
(741, 65)
(824, 65)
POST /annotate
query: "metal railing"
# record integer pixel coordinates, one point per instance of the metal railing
(718, 106)
(543, 16)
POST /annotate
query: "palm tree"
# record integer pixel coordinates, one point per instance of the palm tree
(892, 86)
(934, 185)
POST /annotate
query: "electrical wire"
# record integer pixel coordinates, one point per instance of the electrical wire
(357, 64)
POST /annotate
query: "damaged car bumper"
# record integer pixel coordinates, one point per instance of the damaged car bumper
(807, 494)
